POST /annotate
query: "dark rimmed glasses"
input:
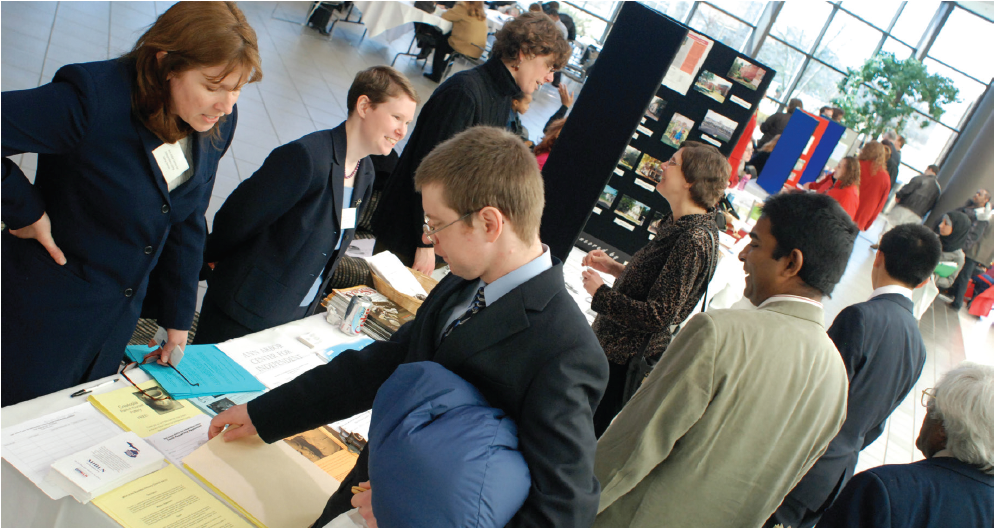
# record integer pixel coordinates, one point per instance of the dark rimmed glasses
(145, 393)
(429, 232)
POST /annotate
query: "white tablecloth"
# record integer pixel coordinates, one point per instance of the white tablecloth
(378, 17)
(23, 505)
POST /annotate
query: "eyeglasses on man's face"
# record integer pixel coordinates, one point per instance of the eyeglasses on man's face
(430, 233)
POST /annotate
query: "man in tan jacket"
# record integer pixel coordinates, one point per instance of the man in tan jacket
(743, 402)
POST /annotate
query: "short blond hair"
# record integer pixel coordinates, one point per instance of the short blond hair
(379, 84)
(487, 166)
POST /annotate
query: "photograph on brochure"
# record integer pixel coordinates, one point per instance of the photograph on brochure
(632, 210)
(630, 157)
(718, 125)
(156, 400)
(654, 226)
(677, 131)
(713, 86)
(650, 168)
(746, 73)
(655, 108)
(607, 197)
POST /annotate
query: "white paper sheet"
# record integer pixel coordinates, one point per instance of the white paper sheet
(33, 446)
(356, 424)
(271, 362)
(390, 268)
(181, 439)
(687, 62)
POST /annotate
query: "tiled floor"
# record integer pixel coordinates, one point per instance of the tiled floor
(306, 77)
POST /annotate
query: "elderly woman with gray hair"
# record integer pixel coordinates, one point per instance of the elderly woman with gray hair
(953, 485)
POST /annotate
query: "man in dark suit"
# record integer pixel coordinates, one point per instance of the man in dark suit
(502, 320)
(953, 486)
(882, 348)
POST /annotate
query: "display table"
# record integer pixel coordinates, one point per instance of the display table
(23, 505)
(378, 17)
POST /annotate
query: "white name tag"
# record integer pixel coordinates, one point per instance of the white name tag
(171, 161)
(349, 218)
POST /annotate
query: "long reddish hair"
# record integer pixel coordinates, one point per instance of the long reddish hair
(193, 35)
(549, 139)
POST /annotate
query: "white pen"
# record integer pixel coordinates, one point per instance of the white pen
(91, 389)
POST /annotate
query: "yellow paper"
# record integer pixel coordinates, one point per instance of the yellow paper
(272, 484)
(133, 411)
(166, 498)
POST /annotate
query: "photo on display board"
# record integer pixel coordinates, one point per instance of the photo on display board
(607, 197)
(655, 108)
(745, 73)
(718, 125)
(632, 210)
(629, 158)
(677, 131)
(650, 168)
(654, 226)
(713, 86)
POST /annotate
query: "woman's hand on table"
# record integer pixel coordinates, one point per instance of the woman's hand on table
(364, 501)
(177, 338)
(600, 261)
(592, 281)
(238, 418)
(41, 231)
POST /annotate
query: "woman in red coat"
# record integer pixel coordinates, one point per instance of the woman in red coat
(846, 187)
(875, 184)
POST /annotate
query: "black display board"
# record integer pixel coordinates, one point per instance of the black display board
(624, 108)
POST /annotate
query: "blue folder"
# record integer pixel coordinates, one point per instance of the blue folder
(206, 365)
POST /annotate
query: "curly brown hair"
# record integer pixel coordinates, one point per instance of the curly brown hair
(194, 35)
(707, 170)
(531, 35)
(851, 172)
(549, 139)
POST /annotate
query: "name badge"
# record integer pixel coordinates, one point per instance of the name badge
(171, 161)
(349, 218)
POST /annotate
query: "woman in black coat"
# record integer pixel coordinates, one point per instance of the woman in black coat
(128, 150)
(527, 51)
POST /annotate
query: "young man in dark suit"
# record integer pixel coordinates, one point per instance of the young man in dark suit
(502, 320)
(882, 348)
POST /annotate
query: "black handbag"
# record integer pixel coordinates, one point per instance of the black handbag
(639, 367)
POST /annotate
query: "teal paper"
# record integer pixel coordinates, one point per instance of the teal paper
(204, 364)
(330, 352)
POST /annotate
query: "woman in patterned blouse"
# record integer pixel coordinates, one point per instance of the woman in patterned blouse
(664, 280)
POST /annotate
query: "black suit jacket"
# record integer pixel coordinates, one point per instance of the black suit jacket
(531, 354)
(882, 348)
(277, 231)
(939, 492)
(481, 96)
(113, 217)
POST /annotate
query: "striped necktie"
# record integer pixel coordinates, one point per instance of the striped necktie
(477, 305)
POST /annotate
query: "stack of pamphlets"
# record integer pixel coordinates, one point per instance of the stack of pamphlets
(385, 317)
(108, 465)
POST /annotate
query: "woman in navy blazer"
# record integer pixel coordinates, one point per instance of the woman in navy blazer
(279, 235)
(112, 198)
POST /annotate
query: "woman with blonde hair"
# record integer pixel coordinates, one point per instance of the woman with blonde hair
(127, 151)
(468, 37)
(875, 184)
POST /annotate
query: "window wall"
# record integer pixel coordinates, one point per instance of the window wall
(811, 44)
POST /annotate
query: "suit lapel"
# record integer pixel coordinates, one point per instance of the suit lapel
(150, 142)
(490, 326)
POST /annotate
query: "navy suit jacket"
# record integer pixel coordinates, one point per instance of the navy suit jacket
(531, 354)
(277, 231)
(882, 349)
(939, 492)
(113, 217)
